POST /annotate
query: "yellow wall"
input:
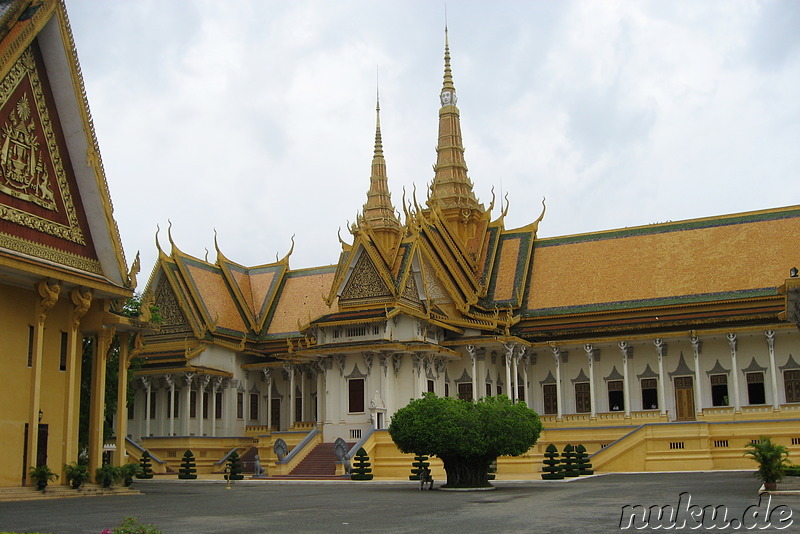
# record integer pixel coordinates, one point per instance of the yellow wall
(17, 313)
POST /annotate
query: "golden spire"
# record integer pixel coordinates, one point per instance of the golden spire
(379, 213)
(451, 189)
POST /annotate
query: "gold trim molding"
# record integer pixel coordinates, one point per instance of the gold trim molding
(48, 253)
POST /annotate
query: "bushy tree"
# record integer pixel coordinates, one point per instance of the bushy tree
(235, 465)
(568, 461)
(187, 470)
(361, 466)
(466, 436)
(582, 461)
(552, 469)
(146, 465)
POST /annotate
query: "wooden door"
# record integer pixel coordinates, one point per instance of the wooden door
(465, 391)
(684, 398)
(41, 448)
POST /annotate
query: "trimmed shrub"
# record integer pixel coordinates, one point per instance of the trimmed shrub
(361, 466)
(146, 465)
(568, 461)
(420, 462)
(552, 469)
(583, 465)
(792, 471)
(235, 465)
(187, 470)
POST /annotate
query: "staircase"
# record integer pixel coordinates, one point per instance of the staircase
(53, 491)
(319, 464)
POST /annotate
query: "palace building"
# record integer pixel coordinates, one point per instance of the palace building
(63, 274)
(660, 347)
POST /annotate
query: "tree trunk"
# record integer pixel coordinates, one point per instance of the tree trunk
(471, 472)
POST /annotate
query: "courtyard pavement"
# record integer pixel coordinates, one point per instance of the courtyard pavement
(585, 505)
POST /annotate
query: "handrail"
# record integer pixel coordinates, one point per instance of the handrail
(354, 449)
(142, 449)
(297, 448)
(227, 455)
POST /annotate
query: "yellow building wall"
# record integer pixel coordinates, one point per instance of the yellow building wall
(17, 314)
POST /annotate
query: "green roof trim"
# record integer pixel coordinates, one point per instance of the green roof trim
(650, 303)
(664, 228)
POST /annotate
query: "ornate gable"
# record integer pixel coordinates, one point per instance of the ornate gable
(364, 284)
(40, 208)
(173, 320)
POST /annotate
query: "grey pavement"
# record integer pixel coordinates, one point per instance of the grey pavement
(586, 505)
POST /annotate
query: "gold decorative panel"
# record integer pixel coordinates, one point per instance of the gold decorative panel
(32, 169)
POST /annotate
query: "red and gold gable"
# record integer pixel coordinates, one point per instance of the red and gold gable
(40, 208)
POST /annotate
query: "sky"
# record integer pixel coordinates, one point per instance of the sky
(256, 119)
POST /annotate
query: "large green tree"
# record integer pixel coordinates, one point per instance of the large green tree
(466, 436)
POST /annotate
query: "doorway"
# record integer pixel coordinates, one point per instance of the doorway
(684, 398)
(276, 414)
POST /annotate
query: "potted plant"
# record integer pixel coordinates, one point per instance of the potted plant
(76, 474)
(129, 471)
(771, 458)
(107, 475)
(42, 475)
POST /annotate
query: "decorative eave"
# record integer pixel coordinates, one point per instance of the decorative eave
(377, 346)
(741, 312)
(197, 370)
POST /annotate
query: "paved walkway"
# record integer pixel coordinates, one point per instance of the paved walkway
(586, 505)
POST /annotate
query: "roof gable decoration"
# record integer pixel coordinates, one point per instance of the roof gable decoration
(176, 317)
(362, 282)
(47, 132)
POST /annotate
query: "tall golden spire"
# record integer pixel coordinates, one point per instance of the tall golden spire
(378, 212)
(451, 189)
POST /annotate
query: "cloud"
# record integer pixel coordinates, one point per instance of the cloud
(256, 118)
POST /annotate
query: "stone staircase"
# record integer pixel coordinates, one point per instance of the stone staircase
(30, 493)
(319, 464)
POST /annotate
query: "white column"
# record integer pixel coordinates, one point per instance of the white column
(303, 392)
(515, 375)
(509, 355)
(476, 394)
(773, 369)
(737, 402)
(146, 381)
(201, 398)
(320, 368)
(559, 400)
(187, 398)
(268, 378)
(214, 389)
(290, 369)
(592, 402)
(525, 363)
(696, 348)
(480, 370)
(626, 391)
(662, 397)
(171, 403)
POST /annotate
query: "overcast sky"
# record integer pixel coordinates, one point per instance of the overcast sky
(257, 118)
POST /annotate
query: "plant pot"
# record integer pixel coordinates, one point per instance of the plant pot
(770, 486)
(41, 485)
(76, 484)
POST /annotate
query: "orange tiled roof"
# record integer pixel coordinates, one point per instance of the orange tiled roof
(728, 255)
(302, 297)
